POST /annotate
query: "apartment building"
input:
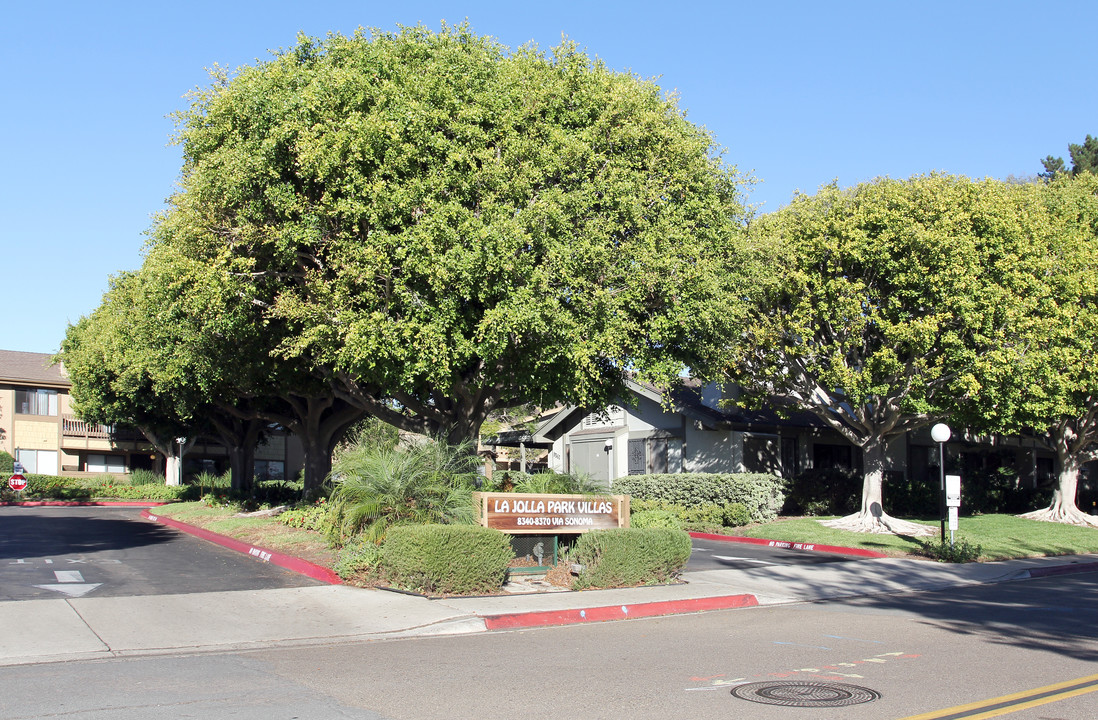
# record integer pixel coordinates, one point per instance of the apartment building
(40, 430)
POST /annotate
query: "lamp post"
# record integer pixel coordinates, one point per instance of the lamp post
(940, 433)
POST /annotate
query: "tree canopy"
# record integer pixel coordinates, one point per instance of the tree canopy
(1084, 158)
(889, 295)
(1043, 381)
(435, 227)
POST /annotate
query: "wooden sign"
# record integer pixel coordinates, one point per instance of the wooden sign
(528, 513)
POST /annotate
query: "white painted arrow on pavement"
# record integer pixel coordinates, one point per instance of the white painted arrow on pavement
(71, 583)
(743, 559)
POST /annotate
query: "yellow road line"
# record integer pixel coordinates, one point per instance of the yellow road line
(1015, 702)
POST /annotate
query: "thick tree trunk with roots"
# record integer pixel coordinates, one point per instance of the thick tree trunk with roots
(872, 518)
(1063, 508)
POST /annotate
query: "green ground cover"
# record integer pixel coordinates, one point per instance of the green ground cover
(1001, 537)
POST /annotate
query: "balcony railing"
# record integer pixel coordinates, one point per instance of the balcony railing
(74, 427)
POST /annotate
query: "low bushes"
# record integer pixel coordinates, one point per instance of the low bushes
(357, 557)
(703, 517)
(105, 487)
(316, 517)
(655, 519)
(629, 556)
(446, 559)
(762, 495)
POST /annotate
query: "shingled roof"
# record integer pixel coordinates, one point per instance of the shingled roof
(26, 368)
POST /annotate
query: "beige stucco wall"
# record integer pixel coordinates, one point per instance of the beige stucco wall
(41, 434)
(7, 415)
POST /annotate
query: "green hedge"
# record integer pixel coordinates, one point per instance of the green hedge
(655, 519)
(446, 559)
(55, 487)
(703, 517)
(760, 493)
(630, 556)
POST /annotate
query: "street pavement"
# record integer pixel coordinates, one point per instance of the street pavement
(90, 627)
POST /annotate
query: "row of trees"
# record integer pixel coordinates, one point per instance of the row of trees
(902, 303)
(426, 228)
(421, 227)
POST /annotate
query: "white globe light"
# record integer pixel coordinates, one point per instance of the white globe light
(940, 433)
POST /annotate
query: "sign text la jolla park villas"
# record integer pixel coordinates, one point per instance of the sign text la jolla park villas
(517, 513)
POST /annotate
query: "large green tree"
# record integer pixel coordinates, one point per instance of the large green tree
(436, 226)
(1044, 381)
(888, 295)
(181, 339)
(111, 377)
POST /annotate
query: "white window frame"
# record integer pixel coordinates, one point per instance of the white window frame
(32, 401)
(37, 462)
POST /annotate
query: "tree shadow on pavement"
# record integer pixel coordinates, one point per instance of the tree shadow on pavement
(44, 532)
(1056, 614)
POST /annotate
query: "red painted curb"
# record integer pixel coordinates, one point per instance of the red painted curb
(616, 612)
(1064, 569)
(317, 572)
(86, 503)
(860, 552)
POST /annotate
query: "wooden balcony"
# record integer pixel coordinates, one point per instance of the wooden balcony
(74, 428)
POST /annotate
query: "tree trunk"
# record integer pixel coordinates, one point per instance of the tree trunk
(173, 463)
(241, 447)
(1063, 508)
(320, 424)
(872, 518)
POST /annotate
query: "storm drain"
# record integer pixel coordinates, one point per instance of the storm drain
(805, 694)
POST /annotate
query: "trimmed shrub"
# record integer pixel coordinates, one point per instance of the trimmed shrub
(446, 559)
(760, 493)
(7, 463)
(703, 517)
(735, 514)
(655, 519)
(630, 556)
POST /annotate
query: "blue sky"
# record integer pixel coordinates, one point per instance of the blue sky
(799, 94)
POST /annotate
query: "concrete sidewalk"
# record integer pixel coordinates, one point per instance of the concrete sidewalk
(87, 627)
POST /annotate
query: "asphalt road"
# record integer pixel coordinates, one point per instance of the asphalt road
(721, 555)
(51, 552)
(918, 653)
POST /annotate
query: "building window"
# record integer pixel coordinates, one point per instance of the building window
(825, 456)
(36, 402)
(270, 470)
(638, 458)
(115, 464)
(38, 462)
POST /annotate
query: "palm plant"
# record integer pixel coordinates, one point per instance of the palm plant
(552, 483)
(376, 487)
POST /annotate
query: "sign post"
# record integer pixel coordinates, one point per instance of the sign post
(953, 502)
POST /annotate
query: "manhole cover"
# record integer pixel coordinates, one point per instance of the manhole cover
(805, 694)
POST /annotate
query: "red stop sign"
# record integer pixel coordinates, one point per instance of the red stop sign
(17, 482)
